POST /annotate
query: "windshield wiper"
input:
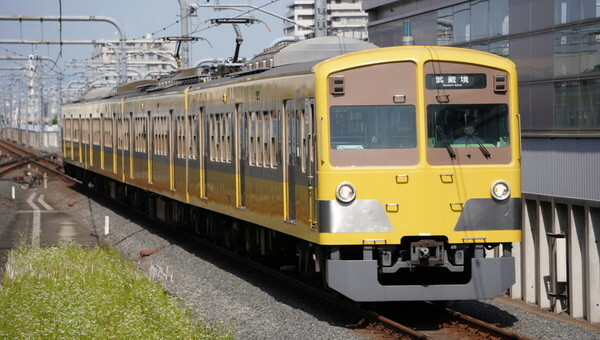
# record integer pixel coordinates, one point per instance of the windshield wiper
(446, 144)
(483, 149)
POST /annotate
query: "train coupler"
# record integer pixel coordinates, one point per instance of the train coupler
(427, 253)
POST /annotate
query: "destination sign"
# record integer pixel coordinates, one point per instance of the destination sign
(456, 81)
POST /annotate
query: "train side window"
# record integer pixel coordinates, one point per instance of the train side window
(121, 134)
(228, 128)
(181, 128)
(212, 136)
(273, 138)
(141, 137)
(176, 137)
(164, 136)
(274, 143)
(202, 134)
(125, 133)
(180, 138)
(156, 135)
(96, 131)
(211, 131)
(108, 133)
(267, 162)
(251, 137)
(75, 123)
(303, 132)
(192, 125)
(220, 137)
(259, 132)
(85, 131)
(144, 132)
(136, 137)
(68, 129)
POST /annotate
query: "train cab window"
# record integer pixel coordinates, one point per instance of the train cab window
(373, 127)
(468, 126)
(373, 135)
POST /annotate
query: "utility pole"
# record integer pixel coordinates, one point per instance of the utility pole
(185, 12)
(31, 107)
(320, 18)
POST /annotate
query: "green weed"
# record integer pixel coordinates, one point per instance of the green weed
(68, 292)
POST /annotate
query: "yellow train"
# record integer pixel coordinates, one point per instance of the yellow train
(391, 173)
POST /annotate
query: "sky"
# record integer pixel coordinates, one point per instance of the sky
(138, 18)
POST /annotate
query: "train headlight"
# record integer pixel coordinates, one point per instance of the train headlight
(500, 190)
(345, 192)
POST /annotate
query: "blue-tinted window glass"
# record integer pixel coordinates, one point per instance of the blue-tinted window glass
(589, 47)
(566, 104)
(589, 91)
(590, 9)
(498, 17)
(485, 47)
(467, 125)
(566, 52)
(373, 127)
(445, 27)
(566, 11)
(577, 105)
(500, 48)
(480, 14)
(462, 23)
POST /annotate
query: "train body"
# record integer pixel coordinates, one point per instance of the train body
(363, 168)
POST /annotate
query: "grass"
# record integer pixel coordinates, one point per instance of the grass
(70, 292)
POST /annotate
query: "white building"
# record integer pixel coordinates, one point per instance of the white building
(146, 59)
(344, 18)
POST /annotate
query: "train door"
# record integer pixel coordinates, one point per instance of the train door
(291, 159)
(240, 150)
(309, 157)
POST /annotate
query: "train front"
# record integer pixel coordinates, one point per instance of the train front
(419, 187)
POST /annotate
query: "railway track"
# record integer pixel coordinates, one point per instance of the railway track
(437, 322)
(14, 157)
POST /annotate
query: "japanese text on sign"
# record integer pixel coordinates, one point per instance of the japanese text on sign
(456, 81)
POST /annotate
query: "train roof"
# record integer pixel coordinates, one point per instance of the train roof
(295, 58)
